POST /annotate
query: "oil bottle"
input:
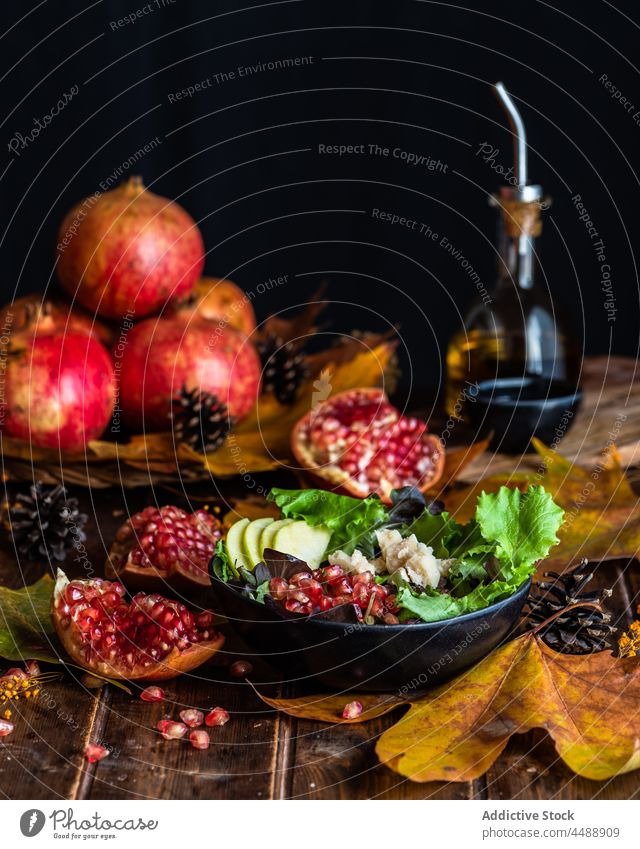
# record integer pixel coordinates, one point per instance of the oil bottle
(519, 331)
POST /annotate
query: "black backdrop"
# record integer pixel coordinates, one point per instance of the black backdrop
(242, 155)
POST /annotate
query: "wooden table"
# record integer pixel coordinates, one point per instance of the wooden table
(258, 754)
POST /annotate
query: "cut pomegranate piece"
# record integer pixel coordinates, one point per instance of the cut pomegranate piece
(164, 547)
(359, 443)
(149, 638)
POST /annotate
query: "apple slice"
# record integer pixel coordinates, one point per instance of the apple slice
(268, 534)
(303, 541)
(251, 539)
(234, 545)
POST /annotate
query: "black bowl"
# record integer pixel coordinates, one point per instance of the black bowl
(373, 658)
(519, 408)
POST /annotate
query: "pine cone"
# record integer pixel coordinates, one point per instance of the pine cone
(46, 523)
(576, 629)
(200, 420)
(284, 368)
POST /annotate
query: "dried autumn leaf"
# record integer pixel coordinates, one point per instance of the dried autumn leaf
(329, 707)
(589, 705)
(602, 519)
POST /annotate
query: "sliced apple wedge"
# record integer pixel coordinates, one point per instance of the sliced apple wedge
(303, 541)
(251, 539)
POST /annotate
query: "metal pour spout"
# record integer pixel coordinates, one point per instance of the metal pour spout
(524, 191)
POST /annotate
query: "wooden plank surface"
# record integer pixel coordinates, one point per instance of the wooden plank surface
(258, 754)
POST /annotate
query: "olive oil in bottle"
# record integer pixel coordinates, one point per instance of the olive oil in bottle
(519, 331)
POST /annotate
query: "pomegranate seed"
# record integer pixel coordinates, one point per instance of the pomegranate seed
(171, 730)
(278, 588)
(192, 717)
(95, 752)
(6, 727)
(331, 574)
(152, 694)
(33, 668)
(352, 710)
(199, 739)
(240, 669)
(292, 606)
(326, 603)
(299, 576)
(218, 716)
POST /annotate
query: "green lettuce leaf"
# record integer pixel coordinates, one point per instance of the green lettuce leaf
(222, 566)
(432, 605)
(352, 521)
(522, 525)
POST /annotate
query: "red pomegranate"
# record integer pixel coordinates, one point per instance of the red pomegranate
(163, 355)
(149, 638)
(33, 313)
(164, 547)
(359, 443)
(59, 390)
(129, 252)
(219, 300)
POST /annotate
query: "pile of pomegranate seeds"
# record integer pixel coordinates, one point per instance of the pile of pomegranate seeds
(166, 536)
(95, 752)
(171, 729)
(139, 634)
(322, 589)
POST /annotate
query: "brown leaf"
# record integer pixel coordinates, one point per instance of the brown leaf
(602, 520)
(589, 705)
(328, 707)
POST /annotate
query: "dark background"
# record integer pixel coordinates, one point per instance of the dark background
(410, 74)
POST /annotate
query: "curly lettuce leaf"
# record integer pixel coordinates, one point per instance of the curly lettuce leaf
(352, 521)
(522, 525)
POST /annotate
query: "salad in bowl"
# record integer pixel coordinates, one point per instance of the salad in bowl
(333, 557)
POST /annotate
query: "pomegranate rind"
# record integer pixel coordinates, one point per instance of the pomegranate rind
(175, 663)
(331, 476)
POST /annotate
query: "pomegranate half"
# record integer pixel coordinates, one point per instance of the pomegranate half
(163, 355)
(150, 638)
(357, 442)
(164, 547)
(129, 251)
(59, 390)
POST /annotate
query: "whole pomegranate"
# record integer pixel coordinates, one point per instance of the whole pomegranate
(163, 355)
(164, 546)
(35, 314)
(360, 443)
(129, 251)
(59, 390)
(219, 300)
(148, 638)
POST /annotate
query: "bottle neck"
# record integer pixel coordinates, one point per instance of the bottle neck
(518, 244)
(518, 260)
